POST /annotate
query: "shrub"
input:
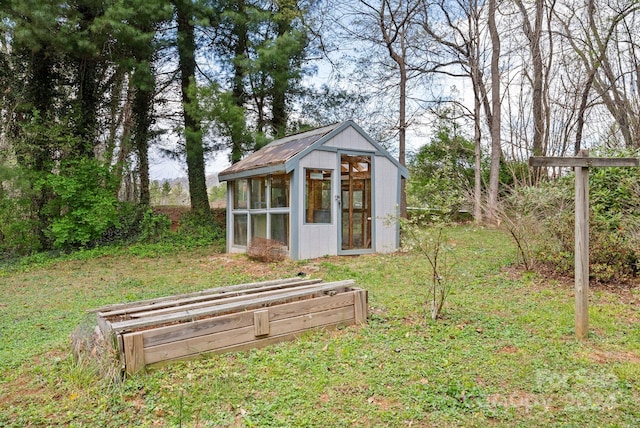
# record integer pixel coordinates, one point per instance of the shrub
(542, 221)
(19, 225)
(18, 228)
(84, 204)
(126, 229)
(442, 170)
(266, 250)
(430, 240)
(198, 230)
(154, 226)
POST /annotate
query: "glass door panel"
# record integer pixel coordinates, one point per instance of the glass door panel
(356, 201)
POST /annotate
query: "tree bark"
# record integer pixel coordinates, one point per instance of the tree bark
(533, 34)
(193, 134)
(393, 34)
(280, 78)
(239, 141)
(87, 83)
(496, 110)
(143, 116)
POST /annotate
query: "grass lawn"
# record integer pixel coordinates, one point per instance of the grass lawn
(504, 353)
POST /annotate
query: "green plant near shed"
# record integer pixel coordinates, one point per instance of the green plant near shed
(430, 240)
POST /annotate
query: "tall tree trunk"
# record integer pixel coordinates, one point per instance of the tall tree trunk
(239, 141)
(402, 136)
(582, 111)
(87, 83)
(143, 116)
(120, 169)
(281, 75)
(533, 34)
(279, 116)
(477, 138)
(395, 34)
(34, 153)
(496, 147)
(193, 134)
(472, 56)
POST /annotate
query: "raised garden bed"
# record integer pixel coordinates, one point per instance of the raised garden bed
(227, 319)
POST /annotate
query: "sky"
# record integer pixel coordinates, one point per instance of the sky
(162, 167)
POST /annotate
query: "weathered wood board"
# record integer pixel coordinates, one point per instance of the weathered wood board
(227, 319)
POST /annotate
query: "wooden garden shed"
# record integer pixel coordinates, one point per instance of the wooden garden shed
(328, 191)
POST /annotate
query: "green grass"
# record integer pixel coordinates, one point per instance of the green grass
(504, 353)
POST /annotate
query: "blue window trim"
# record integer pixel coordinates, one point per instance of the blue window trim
(256, 211)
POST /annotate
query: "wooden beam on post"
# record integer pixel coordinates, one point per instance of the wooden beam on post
(581, 164)
(581, 161)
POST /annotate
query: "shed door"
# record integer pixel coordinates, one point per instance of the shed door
(355, 185)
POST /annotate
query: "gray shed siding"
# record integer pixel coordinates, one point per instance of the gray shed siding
(317, 240)
(387, 203)
(323, 152)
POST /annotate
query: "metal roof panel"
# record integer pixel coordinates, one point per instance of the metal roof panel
(277, 152)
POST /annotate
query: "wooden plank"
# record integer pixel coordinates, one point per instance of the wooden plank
(231, 307)
(212, 297)
(220, 323)
(245, 335)
(172, 333)
(134, 352)
(221, 301)
(582, 253)
(581, 162)
(171, 305)
(317, 304)
(258, 343)
(217, 290)
(261, 322)
(360, 306)
(104, 326)
(120, 342)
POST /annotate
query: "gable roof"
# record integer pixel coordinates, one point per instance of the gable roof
(281, 156)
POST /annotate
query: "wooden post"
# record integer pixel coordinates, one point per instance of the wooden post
(582, 250)
(361, 306)
(261, 322)
(581, 165)
(134, 352)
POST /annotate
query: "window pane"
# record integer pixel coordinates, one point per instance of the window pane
(280, 228)
(240, 194)
(318, 197)
(259, 193)
(279, 191)
(258, 226)
(240, 229)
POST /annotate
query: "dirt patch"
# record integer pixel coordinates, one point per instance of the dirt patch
(27, 389)
(381, 402)
(626, 290)
(603, 357)
(509, 349)
(242, 264)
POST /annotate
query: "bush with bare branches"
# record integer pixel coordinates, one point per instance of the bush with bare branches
(266, 250)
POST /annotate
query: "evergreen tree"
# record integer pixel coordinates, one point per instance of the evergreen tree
(262, 47)
(194, 148)
(68, 63)
(232, 20)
